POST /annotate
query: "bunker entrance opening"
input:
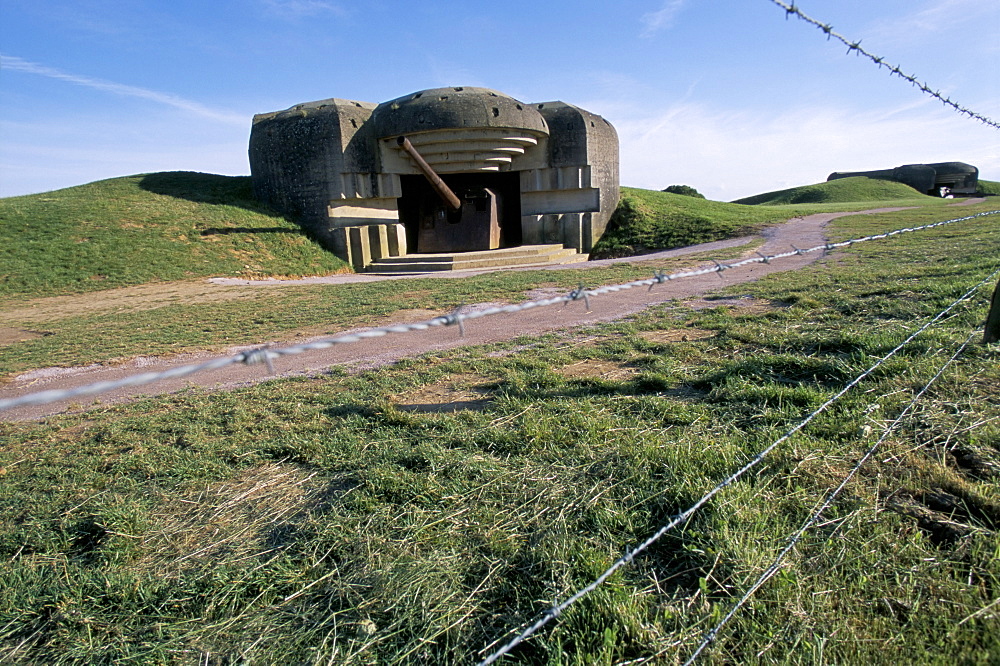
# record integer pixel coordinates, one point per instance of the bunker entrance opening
(488, 218)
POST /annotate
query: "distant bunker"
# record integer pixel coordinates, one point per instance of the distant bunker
(426, 179)
(939, 179)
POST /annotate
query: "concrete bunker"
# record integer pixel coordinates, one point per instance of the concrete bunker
(448, 171)
(939, 179)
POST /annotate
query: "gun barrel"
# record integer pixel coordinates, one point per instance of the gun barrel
(439, 185)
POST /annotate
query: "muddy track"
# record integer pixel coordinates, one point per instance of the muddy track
(799, 232)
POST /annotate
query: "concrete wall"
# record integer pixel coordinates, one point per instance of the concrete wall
(334, 164)
(584, 141)
(959, 177)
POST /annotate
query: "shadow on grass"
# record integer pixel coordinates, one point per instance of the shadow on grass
(590, 387)
(204, 188)
(208, 188)
(225, 231)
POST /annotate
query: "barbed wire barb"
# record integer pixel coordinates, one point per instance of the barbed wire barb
(456, 318)
(659, 277)
(581, 294)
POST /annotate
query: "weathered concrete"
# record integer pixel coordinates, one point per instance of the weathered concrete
(955, 177)
(337, 166)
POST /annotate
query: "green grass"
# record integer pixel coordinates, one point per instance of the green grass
(647, 220)
(182, 226)
(147, 228)
(179, 225)
(843, 190)
(253, 317)
(324, 520)
(259, 315)
(991, 187)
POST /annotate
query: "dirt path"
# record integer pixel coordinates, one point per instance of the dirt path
(799, 232)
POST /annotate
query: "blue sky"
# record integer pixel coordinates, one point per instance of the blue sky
(728, 96)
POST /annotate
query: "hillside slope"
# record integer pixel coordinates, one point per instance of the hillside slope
(989, 187)
(147, 228)
(836, 191)
(426, 511)
(647, 220)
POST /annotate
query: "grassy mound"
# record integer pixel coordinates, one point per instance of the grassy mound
(647, 220)
(843, 190)
(989, 187)
(147, 228)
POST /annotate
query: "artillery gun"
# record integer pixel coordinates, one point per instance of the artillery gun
(473, 218)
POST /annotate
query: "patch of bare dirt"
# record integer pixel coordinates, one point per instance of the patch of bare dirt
(978, 462)
(598, 369)
(742, 304)
(11, 336)
(126, 299)
(463, 393)
(941, 528)
(678, 335)
(409, 316)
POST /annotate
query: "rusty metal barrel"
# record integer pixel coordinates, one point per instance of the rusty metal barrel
(440, 187)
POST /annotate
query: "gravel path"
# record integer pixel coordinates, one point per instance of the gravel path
(799, 232)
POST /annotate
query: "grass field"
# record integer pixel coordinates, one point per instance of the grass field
(422, 513)
(147, 228)
(989, 187)
(647, 220)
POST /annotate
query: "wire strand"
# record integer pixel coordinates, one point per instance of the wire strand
(711, 635)
(556, 610)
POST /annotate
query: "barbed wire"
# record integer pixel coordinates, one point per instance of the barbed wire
(894, 70)
(265, 355)
(711, 635)
(557, 610)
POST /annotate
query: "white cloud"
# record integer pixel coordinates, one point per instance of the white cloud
(662, 18)
(927, 20)
(12, 63)
(728, 155)
(970, 21)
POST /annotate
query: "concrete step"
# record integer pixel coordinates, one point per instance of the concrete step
(523, 250)
(529, 255)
